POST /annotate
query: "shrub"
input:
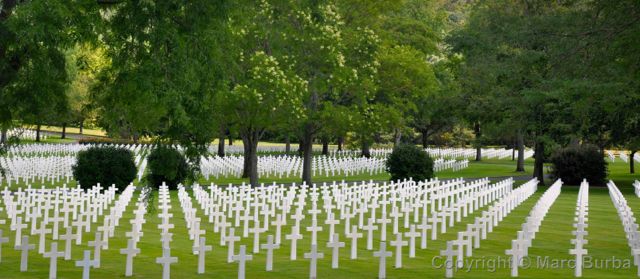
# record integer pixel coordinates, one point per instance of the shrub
(409, 161)
(106, 165)
(166, 164)
(572, 164)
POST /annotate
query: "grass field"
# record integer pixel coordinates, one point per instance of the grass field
(606, 240)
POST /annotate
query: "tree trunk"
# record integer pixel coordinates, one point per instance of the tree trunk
(3, 136)
(287, 144)
(221, 135)
(632, 168)
(538, 165)
(307, 153)
(520, 146)
(340, 142)
(64, 131)
(250, 170)
(396, 137)
(425, 138)
(476, 131)
(325, 147)
(38, 133)
(81, 126)
(366, 152)
(230, 139)
(136, 137)
(513, 149)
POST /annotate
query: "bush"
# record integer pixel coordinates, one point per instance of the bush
(168, 165)
(105, 165)
(572, 164)
(409, 161)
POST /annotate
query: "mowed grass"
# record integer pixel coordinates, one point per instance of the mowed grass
(606, 240)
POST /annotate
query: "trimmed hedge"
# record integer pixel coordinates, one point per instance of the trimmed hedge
(572, 164)
(168, 165)
(409, 161)
(106, 165)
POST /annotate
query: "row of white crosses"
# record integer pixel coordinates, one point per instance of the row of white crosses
(291, 166)
(52, 163)
(239, 149)
(136, 231)
(442, 152)
(520, 245)
(66, 207)
(25, 134)
(363, 209)
(41, 169)
(636, 187)
(628, 222)
(164, 204)
(441, 164)
(491, 217)
(580, 225)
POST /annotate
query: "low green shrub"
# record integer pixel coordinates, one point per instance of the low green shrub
(168, 165)
(106, 165)
(572, 164)
(409, 161)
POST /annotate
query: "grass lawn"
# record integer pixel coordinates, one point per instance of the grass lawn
(606, 240)
(73, 130)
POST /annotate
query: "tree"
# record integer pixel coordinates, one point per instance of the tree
(33, 75)
(265, 96)
(167, 65)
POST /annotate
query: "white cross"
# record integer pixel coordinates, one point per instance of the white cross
(354, 235)
(42, 232)
(423, 227)
(383, 221)
(294, 237)
(25, 247)
(370, 227)
(56, 220)
(86, 264)
(579, 252)
(166, 260)
(332, 223)
(412, 235)
(313, 256)
(383, 254)
(131, 251)
(335, 244)
(279, 222)
(242, 258)
(18, 227)
(516, 253)
(434, 226)
(449, 253)
(231, 239)
(53, 254)
(270, 246)
(314, 229)
(398, 243)
(200, 251)
(256, 230)
(68, 237)
(97, 246)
